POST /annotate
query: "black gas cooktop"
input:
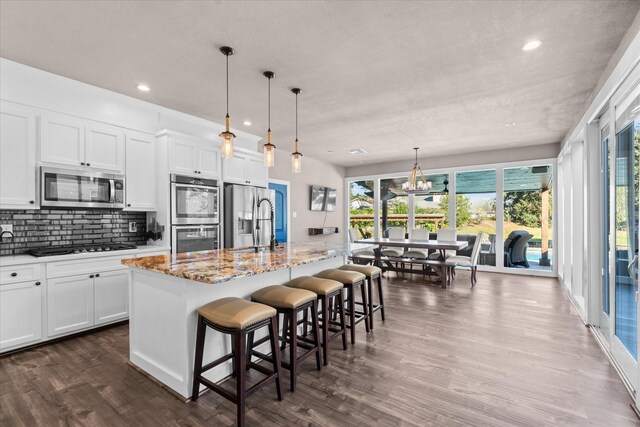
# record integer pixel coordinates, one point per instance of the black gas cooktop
(66, 250)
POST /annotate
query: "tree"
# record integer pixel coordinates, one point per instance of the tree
(463, 209)
(523, 207)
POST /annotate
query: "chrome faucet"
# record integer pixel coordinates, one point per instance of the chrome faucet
(272, 241)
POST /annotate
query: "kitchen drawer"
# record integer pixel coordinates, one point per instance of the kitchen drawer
(20, 273)
(85, 266)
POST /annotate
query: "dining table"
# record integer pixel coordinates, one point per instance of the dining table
(391, 263)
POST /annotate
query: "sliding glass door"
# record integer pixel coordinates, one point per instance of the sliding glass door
(627, 151)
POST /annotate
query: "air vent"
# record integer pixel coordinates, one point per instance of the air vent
(540, 169)
(356, 151)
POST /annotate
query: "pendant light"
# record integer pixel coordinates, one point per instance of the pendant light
(416, 184)
(269, 149)
(227, 136)
(296, 156)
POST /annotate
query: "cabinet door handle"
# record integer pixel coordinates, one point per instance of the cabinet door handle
(38, 283)
(32, 202)
(14, 274)
(129, 205)
(82, 163)
(98, 275)
(91, 277)
(88, 164)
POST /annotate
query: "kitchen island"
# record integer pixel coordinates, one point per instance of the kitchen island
(165, 292)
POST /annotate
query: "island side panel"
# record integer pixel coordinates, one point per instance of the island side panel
(157, 326)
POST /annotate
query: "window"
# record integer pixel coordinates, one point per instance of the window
(527, 217)
(431, 210)
(361, 204)
(476, 211)
(394, 204)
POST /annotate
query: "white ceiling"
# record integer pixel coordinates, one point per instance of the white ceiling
(384, 76)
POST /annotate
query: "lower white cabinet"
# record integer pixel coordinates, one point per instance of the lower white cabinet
(20, 314)
(80, 302)
(69, 304)
(110, 296)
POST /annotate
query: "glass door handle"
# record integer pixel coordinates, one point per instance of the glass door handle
(631, 268)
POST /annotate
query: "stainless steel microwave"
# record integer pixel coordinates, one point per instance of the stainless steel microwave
(80, 189)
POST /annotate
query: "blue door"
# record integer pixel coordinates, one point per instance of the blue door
(281, 211)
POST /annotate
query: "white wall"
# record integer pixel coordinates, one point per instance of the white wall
(430, 163)
(314, 172)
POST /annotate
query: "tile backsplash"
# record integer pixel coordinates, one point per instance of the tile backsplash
(52, 227)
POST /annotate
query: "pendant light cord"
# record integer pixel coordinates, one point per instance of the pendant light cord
(296, 116)
(227, 84)
(269, 103)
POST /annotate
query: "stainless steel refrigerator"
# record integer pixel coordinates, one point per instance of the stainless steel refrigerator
(242, 216)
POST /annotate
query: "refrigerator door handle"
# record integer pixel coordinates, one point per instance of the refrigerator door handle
(254, 221)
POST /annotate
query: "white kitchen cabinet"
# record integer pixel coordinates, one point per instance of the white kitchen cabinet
(209, 161)
(17, 157)
(192, 156)
(111, 296)
(104, 147)
(182, 156)
(245, 167)
(20, 314)
(141, 172)
(70, 141)
(62, 140)
(69, 304)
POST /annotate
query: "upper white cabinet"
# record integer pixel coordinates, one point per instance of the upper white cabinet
(105, 147)
(209, 161)
(140, 172)
(70, 141)
(193, 156)
(62, 140)
(17, 157)
(245, 167)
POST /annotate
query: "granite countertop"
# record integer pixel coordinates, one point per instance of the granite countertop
(226, 264)
(10, 260)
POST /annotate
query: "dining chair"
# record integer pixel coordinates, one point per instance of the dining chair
(395, 233)
(353, 236)
(468, 261)
(446, 234)
(418, 253)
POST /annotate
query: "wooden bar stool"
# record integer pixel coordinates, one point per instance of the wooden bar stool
(290, 302)
(237, 317)
(371, 272)
(329, 292)
(351, 280)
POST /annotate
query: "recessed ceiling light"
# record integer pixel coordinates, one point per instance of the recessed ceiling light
(246, 123)
(509, 124)
(329, 151)
(533, 44)
(513, 143)
(143, 88)
(357, 151)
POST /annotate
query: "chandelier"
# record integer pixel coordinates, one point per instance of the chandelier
(417, 183)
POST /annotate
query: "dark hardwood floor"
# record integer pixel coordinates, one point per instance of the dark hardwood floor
(512, 351)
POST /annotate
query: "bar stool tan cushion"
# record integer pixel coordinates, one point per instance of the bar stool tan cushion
(235, 313)
(367, 270)
(315, 284)
(342, 276)
(283, 297)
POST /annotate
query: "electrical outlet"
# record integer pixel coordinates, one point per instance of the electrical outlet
(132, 227)
(6, 227)
(294, 214)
